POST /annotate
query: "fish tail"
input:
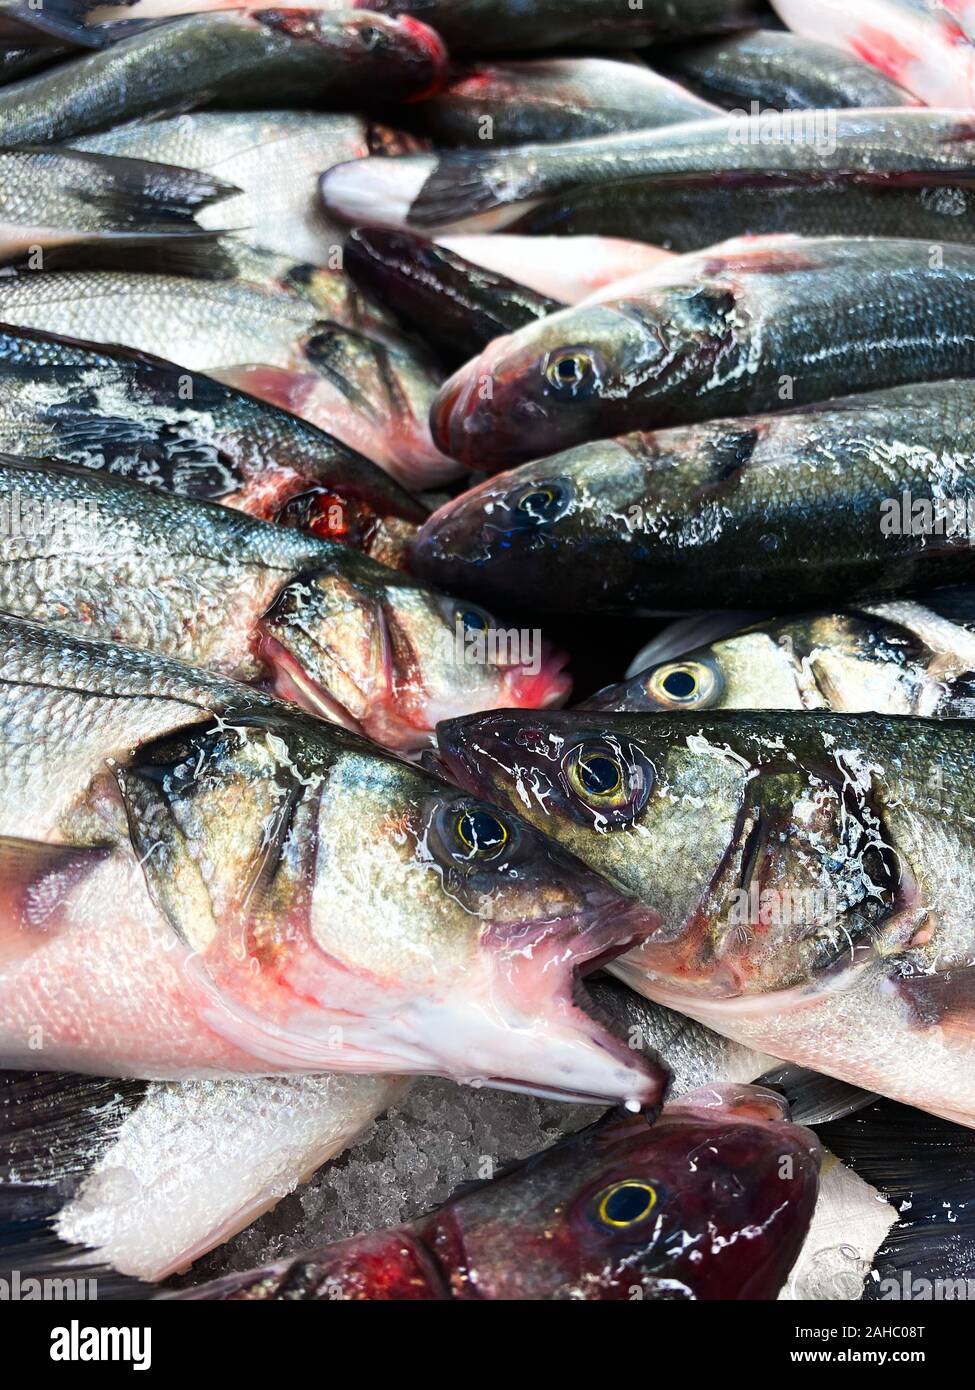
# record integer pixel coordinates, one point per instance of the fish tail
(462, 184)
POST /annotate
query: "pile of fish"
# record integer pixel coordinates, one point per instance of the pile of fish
(487, 605)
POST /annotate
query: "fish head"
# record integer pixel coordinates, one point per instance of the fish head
(711, 1201)
(570, 376)
(414, 56)
(762, 850)
(347, 911)
(509, 535)
(382, 653)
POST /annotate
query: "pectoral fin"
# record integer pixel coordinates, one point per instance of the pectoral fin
(36, 881)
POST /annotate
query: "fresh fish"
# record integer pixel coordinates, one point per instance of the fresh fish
(902, 657)
(858, 498)
(59, 205)
(782, 71)
(347, 638)
(617, 1212)
(199, 881)
(495, 26)
(748, 326)
(272, 343)
(813, 874)
(451, 303)
(140, 417)
(149, 1175)
(549, 99)
(916, 44)
(563, 268)
(907, 147)
(288, 57)
(273, 157)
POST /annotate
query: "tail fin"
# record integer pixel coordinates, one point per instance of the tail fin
(465, 183)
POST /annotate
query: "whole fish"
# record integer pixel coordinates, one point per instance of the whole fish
(273, 157)
(451, 303)
(617, 1212)
(911, 147)
(857, 498)
(265, 57)
(149, 1175)
(199, 881)
(140, 417)
(780, 70)
(564, 268)
(345, 637)
(58, 205)
(549, 99)
(813, 874)
(918, 44)
(493, 26)
(903, 657)
(748, 326)
(272, 343)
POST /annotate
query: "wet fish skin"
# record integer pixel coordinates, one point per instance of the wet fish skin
(780, 70)
(490, 26)
(896, 658)
(450, 302)
(553, 99)
(916, 45)
(292, 57)
(912, 146)
(856, 961)
(342, 922)
(272, 342)
(716, 333)
(690, 218)
(535, 1232)
(136, 416)
(788, 511)
(344, 636)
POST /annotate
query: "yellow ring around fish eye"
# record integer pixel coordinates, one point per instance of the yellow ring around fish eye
(682, 683)
(566, 371)
(626, 1203)
(596, 774)
(482, 833)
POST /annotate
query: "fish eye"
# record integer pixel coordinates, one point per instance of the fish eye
(482, 833)
(570, 373)
(473, 619)
(685, 684)
(625, 1203)
(605, 780)
(541, 505)
(598, 773)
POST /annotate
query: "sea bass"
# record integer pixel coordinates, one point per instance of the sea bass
(199, 881)
(910, 147)
(919, 44)
(756, 325)
(140, 417)
(813, 874)
(860, 497)
(453, 304)
(902, 657)
(553, 99)
(57, 205)
(345, 637)
(290, 57)
(616, 1212)
(493, 26)
(272, 343)
(781, 70)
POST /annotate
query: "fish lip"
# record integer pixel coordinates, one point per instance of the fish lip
(443, 411)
